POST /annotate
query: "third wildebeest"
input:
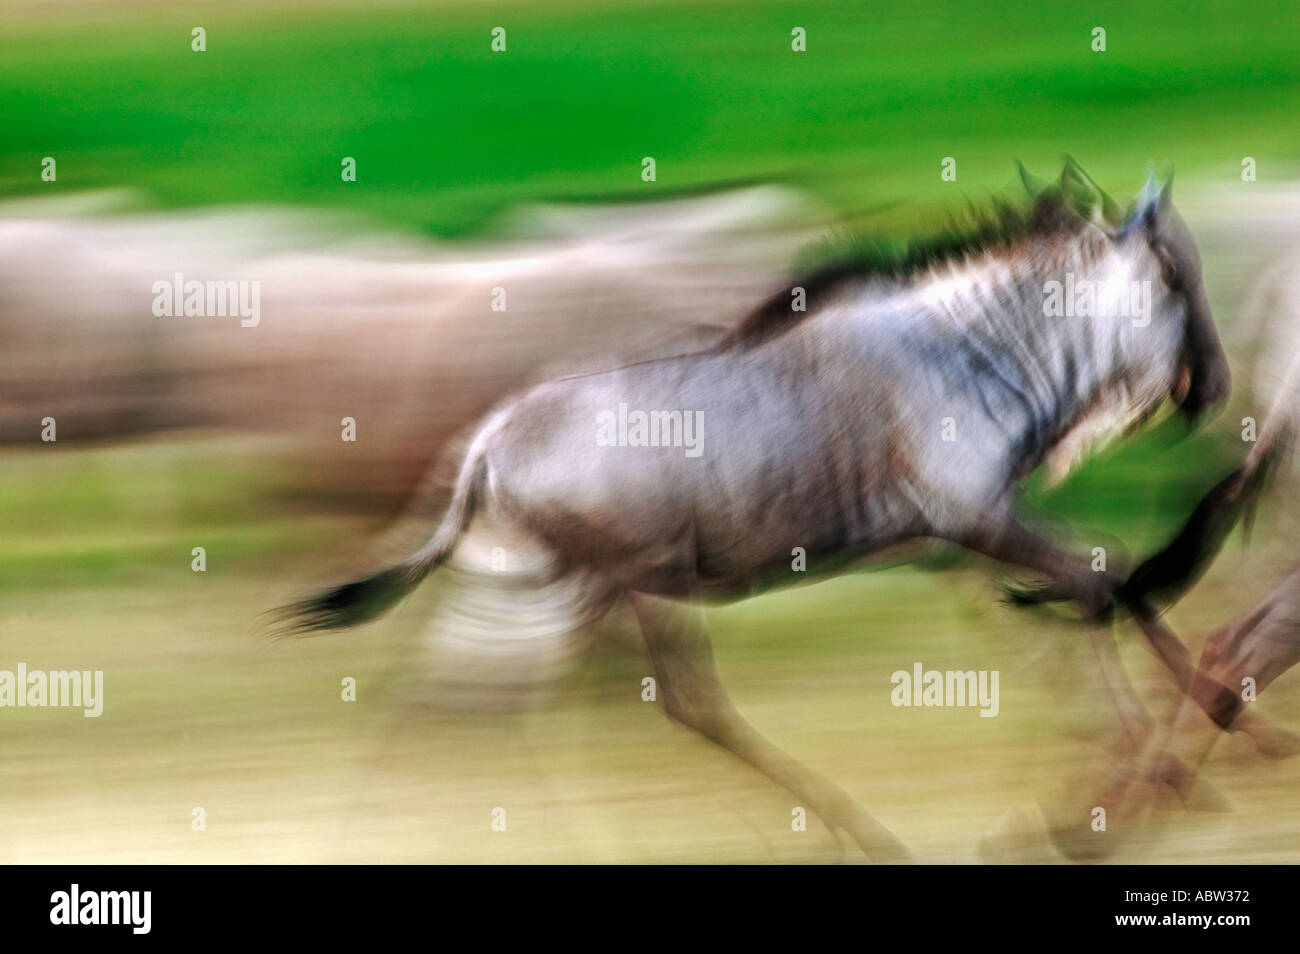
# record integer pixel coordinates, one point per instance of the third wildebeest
(907, 401)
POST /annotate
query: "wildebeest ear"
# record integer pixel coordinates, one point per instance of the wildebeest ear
(1086, 197)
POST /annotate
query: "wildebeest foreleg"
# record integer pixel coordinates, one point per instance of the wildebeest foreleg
(1218, 702)
(1262, 644)
(1010, 541)
(693, 695)
(1258, 646)
(1136, 721)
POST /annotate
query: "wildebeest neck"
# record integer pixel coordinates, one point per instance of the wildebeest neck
(972, 343)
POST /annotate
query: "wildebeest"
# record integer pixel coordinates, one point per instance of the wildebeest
(906, 401)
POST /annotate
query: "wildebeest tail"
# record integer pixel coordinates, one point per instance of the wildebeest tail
(362, 600)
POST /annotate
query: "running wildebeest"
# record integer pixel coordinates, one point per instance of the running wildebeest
(906, 401)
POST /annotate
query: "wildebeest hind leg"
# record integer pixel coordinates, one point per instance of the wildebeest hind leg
(693, 695)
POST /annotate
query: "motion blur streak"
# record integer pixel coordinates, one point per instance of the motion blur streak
(182, 433)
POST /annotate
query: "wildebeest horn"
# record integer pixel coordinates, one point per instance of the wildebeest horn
(1033, 185)
(1086, 197)
(1153, 198)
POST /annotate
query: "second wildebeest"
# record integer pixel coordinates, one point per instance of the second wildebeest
(907, 401)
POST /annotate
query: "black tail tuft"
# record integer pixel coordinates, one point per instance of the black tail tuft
(1032, 594)
(346, 605)
(362, 600)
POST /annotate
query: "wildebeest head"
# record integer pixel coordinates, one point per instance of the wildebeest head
(1203, 380)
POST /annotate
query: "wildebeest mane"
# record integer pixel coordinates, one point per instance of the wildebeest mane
(849, 256)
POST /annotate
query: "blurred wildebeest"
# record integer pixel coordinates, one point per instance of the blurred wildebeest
(413, 338)
(907, 401)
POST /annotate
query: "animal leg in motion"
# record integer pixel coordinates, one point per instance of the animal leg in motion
(1072, 578)
(1261, 645)
(1136, 721)
(1215, 699)
(693, 695)
(1010, 541)
(1255, 645)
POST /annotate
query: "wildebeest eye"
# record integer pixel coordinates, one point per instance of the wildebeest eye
(1168, 269)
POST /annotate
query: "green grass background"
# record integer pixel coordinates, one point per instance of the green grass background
(446, 132)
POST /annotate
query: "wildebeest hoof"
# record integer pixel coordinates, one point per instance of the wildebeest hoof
(1271, 741)
(1194, 790)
